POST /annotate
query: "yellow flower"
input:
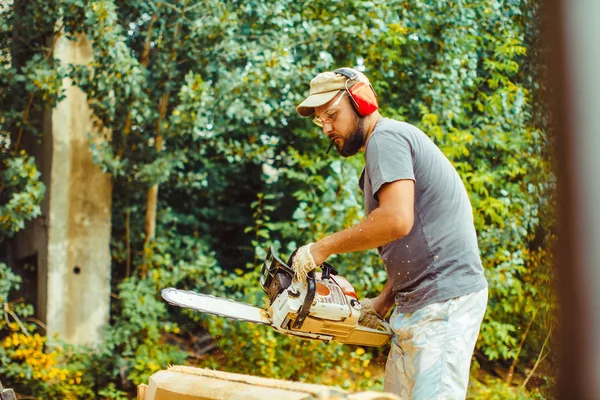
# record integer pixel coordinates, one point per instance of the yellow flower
(360, 351)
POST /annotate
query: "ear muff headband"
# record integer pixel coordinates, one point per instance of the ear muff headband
(362, 94)
(347, 72)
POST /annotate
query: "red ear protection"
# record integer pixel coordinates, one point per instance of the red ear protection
(361, 93)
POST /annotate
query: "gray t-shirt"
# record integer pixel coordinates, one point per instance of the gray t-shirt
(439, 258)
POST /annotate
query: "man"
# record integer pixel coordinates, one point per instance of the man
(420, 219)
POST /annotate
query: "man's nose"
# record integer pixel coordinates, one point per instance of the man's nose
(327, 128)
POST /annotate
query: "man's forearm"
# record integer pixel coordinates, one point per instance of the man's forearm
(379, 228)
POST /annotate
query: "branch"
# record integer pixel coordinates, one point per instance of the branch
(171, 6)
(537, 362)
(24, 121)
(180, 11)
(17, 320)
(6, 314)
(146, 53)
(127, 243)
(23, 42)
(511, 370)
(55, 37)
(195, 5)
(37, 322)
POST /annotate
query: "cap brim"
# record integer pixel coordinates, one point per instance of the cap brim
(307, 107)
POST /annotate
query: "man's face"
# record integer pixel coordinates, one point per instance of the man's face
(342, 125)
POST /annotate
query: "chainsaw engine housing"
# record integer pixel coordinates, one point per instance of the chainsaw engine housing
(324, 307)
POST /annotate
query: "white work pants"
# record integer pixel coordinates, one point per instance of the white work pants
(432, 348)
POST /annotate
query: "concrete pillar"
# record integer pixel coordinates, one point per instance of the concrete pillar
(79, 212)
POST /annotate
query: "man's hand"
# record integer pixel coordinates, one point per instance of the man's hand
(368, 316)
(303, 262)
(375, 309)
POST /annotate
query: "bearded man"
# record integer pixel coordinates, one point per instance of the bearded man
(420, 219)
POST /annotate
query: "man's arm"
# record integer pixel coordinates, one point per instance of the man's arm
(392, 220)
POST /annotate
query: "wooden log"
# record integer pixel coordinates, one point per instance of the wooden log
(188, 383)
(141, 392)
(7, 394)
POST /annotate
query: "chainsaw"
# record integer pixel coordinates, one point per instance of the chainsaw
(324, 307)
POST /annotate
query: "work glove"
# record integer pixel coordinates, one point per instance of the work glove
(303, 263)
(368, 316)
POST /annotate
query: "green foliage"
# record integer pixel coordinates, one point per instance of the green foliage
(27, 363)
(136, 335)
(200, 99)
(22, 179)
(496, 389)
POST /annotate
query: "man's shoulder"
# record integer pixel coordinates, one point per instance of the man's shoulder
(389, 128)
(390, 139)
(394, 124)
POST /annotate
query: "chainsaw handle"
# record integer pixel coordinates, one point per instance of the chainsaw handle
(310, 296)
(311, 289)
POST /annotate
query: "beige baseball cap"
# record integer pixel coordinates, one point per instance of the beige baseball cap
(323, 89)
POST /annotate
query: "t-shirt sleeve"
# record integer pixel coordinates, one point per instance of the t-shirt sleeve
(389, 159)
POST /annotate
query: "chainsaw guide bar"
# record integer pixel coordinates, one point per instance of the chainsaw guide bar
(216, 305)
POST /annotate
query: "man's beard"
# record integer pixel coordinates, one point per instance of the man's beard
(353, 144)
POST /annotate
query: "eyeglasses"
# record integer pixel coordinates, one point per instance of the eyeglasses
(328, 116)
